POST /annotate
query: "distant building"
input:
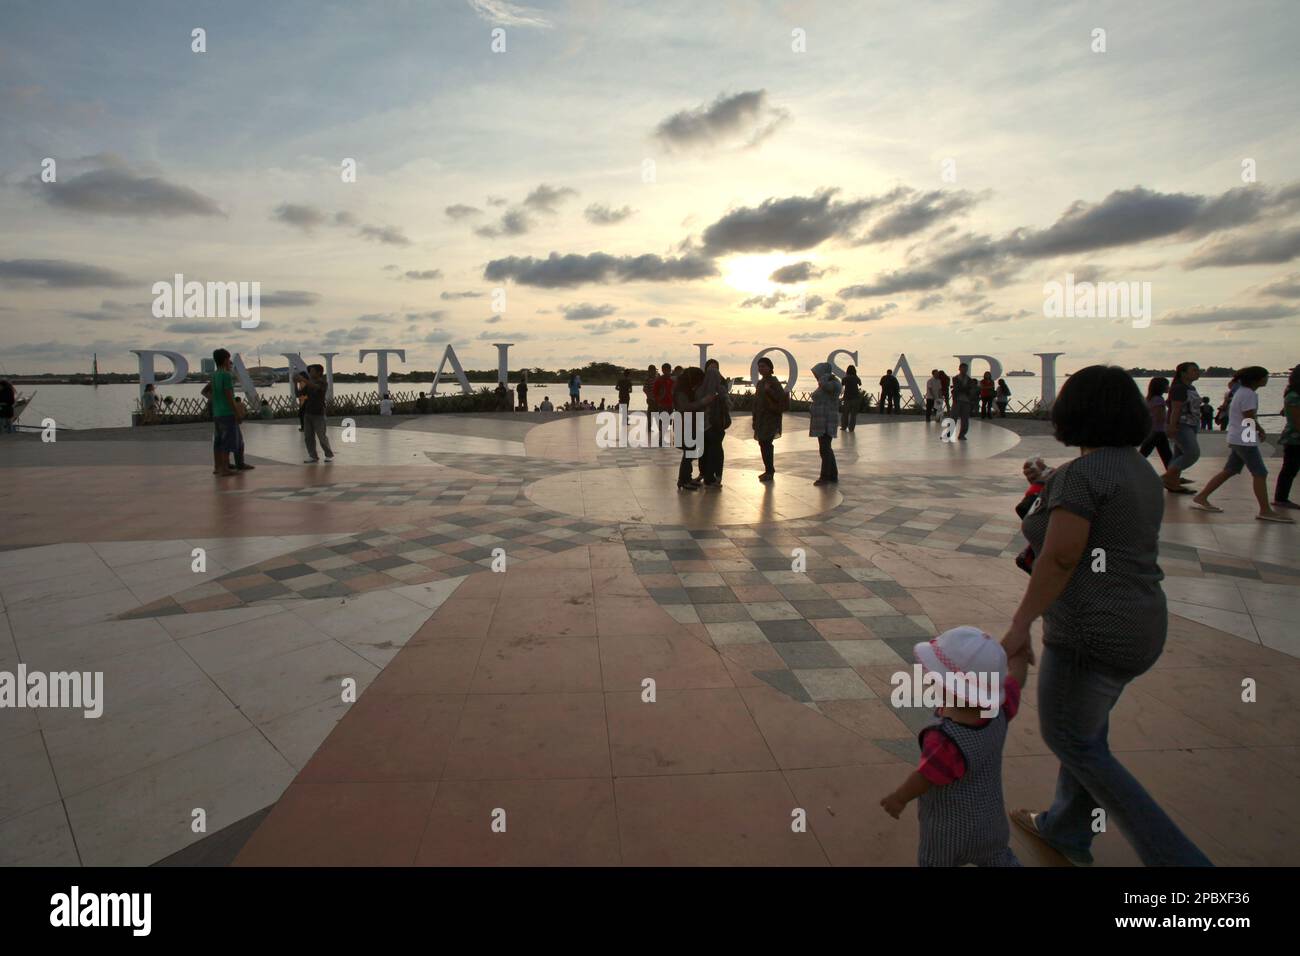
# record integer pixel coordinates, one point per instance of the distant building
(207, 366)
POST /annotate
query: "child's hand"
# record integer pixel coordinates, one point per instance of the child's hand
(893, 805)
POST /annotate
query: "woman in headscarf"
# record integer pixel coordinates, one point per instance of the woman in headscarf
(717, 419)
(689, 398)
(825, 409)
(769, 403)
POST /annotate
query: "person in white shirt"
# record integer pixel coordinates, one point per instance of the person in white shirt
(386, 404)
(1244, 437)
(546, 404)
(933, 394)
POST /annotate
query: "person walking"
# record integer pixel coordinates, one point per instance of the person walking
(689, 398)
(521, 391)
(225, 414)
(821, 425)
(575, 391)
(717, 419)
(665, 385)
(987, 391)
(1003, 397)
(1100, 630)
(1290, 442)
(8, 406)
(624, 388)
(964, 392)
(1183, 421)
(1157, 438)
(852, 399)
(300, 393)
(770, 400)
(1244, 437)
(934, 396)
(314, 416)
(945, 384)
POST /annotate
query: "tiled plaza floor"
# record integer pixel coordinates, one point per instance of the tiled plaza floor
(345, 654)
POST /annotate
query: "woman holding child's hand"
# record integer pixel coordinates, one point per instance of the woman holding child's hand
(1096, 585)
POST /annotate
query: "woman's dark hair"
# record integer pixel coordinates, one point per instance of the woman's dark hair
(219, 356)
(1293, 383)
(1100, 407)
(692, 378)
(1157, 386)
(1252, 376)
(766, 361)
(1182, 367)
(851, 370)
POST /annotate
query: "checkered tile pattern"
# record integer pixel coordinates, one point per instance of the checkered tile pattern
(463, 491)
(454, 546)
(836, 614)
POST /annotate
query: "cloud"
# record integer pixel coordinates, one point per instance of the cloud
(389, 235)
(796, 272)
(1123, 218)
(509, 14)
(604, 328)
(211, 327)
(585, 311)
(460, 211)
(514, 222)
(835, 310)
(765, 301)
(448, 296)
(657, 322)
(927, 301)
(814, 336)
(1284, 287)
(301, 216)
(288, 298)
(59, 274)
(431, 315)
(872, 315)
(546, 198)
(911, 212)
(424, 275)
(793, 223)
(565, 271)
(600, 214)
(503, 336)
(111, 311)
(1228, 315)
(497, 200)
(1268, 248)
(115, 189)
(744, 120)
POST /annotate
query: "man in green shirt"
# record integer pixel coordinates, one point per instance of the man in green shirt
(224, 414)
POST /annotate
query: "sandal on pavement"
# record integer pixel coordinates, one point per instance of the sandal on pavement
(1277, 519)
(1202, 506)
(1028, 822)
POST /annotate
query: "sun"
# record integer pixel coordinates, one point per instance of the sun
(752, 274)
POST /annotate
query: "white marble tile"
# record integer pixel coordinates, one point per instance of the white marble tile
(282, 685)
(40, 837)
(347, 618)
(26, 779)
(1279, 635)
(80, 647)
(87, 753)
(187, 625)
(145, 816)
(1207, 592)
(298, 735)
(1232, 622)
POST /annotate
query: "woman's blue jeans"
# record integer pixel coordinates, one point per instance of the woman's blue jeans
(1189, 448)
(1074, 705)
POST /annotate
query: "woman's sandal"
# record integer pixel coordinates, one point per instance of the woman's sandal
(1277, 519)
(1212, 509)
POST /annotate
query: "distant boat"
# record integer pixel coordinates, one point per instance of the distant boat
(1021, 373)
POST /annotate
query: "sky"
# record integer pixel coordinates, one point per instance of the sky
(616, 181)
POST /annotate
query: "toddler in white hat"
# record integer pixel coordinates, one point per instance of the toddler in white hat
(958, 781)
